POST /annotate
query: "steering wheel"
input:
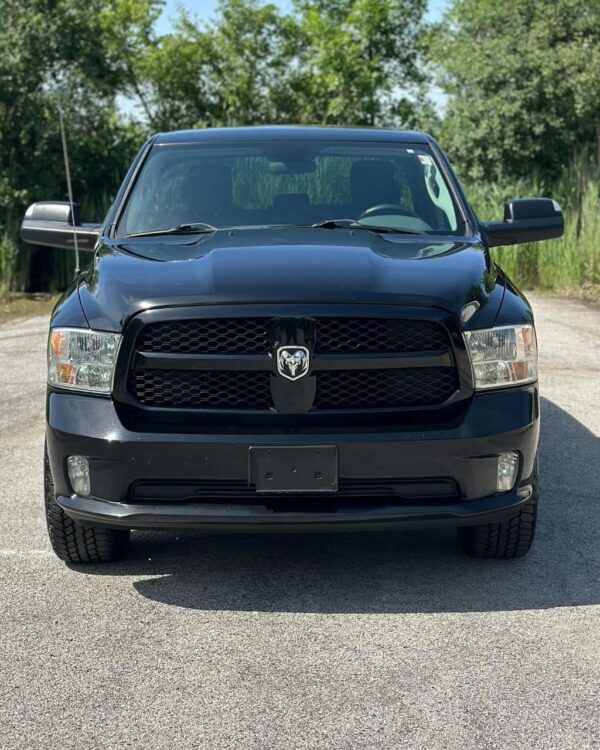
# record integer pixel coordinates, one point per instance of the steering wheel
(387, 208)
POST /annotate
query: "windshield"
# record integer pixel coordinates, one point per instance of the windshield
(300, 183)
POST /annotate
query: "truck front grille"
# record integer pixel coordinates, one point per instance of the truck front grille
(363, 389)
(357, 363)
(177, 389)
(211, 336)
(254, 336)
(373, 389)
(378, 335)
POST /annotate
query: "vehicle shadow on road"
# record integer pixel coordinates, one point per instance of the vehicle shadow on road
(393, 572)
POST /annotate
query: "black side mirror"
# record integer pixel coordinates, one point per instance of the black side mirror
(526, 220)
(52, 223)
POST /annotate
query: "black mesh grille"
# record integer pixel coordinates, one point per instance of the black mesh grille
(210, 336)
(378, 335)
(351, 389)
(366, 389)
(252, 336)
(201, 390)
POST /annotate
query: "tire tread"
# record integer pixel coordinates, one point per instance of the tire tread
(74, 543)
(504, 540)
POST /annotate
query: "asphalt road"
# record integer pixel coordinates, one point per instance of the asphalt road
(348, 641)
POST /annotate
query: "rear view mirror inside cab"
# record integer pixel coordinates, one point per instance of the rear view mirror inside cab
(292, 167)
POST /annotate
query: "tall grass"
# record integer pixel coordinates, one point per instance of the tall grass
(8, 256)
(568, 263)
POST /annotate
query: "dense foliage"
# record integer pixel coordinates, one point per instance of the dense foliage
(523, 80)
(521, 83)
(59, 53)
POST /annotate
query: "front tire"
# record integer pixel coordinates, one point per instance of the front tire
(505, 540)
(73, 542)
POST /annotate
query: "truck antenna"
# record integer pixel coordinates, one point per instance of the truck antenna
(63, 138)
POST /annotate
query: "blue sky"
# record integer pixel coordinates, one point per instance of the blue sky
(203, 9)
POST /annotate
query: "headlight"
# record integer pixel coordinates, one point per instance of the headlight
(82, 360)
(503, 356)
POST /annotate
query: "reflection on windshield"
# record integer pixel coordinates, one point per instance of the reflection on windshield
(398, 186)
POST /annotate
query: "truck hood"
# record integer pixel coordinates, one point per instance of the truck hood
(287, 266)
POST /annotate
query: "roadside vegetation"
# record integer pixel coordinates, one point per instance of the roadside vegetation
(519, 112)
(21, 305)
(571, 264)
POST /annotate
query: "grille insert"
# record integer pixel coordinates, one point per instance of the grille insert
(365, 389)
(210, 336)
(253, 336)
(378, 335)
(201, 390)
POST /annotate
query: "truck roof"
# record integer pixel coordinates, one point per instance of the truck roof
(291, 133)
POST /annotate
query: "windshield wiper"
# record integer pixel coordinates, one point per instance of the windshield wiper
(353, 224)
(198, 227)
(202, 227)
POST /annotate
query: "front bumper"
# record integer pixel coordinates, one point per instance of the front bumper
(464, 450)
(257, 518)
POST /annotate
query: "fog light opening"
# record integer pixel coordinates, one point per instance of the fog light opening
(78, 468)
(508, 467)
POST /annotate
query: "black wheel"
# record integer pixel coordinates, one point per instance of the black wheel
(73, 542)
(504, 540)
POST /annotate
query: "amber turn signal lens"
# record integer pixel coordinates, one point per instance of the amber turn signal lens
(82, 360)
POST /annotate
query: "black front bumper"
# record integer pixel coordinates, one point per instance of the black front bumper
(258, 518)
(464, 450)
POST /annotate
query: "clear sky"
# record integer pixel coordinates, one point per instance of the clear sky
(203, 9)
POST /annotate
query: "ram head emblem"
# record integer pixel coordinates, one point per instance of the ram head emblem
(292, 361)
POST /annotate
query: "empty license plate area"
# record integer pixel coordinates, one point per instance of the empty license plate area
(294, 468)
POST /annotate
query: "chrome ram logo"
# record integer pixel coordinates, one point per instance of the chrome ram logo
(292, 361)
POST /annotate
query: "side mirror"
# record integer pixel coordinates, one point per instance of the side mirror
(52, 223)
(526, 220)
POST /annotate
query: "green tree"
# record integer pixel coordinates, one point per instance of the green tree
(353, 62)
(358, 61)
(232, 72)
(253, 46)
(167, 77)
(523, 84)
(60, 52)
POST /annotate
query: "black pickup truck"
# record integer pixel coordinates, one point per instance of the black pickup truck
(291, 329)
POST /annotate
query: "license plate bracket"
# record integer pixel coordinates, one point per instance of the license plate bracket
(294, 468)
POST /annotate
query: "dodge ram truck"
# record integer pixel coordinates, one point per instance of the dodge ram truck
(291, 329)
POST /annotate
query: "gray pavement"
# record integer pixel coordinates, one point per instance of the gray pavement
(348, 641)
